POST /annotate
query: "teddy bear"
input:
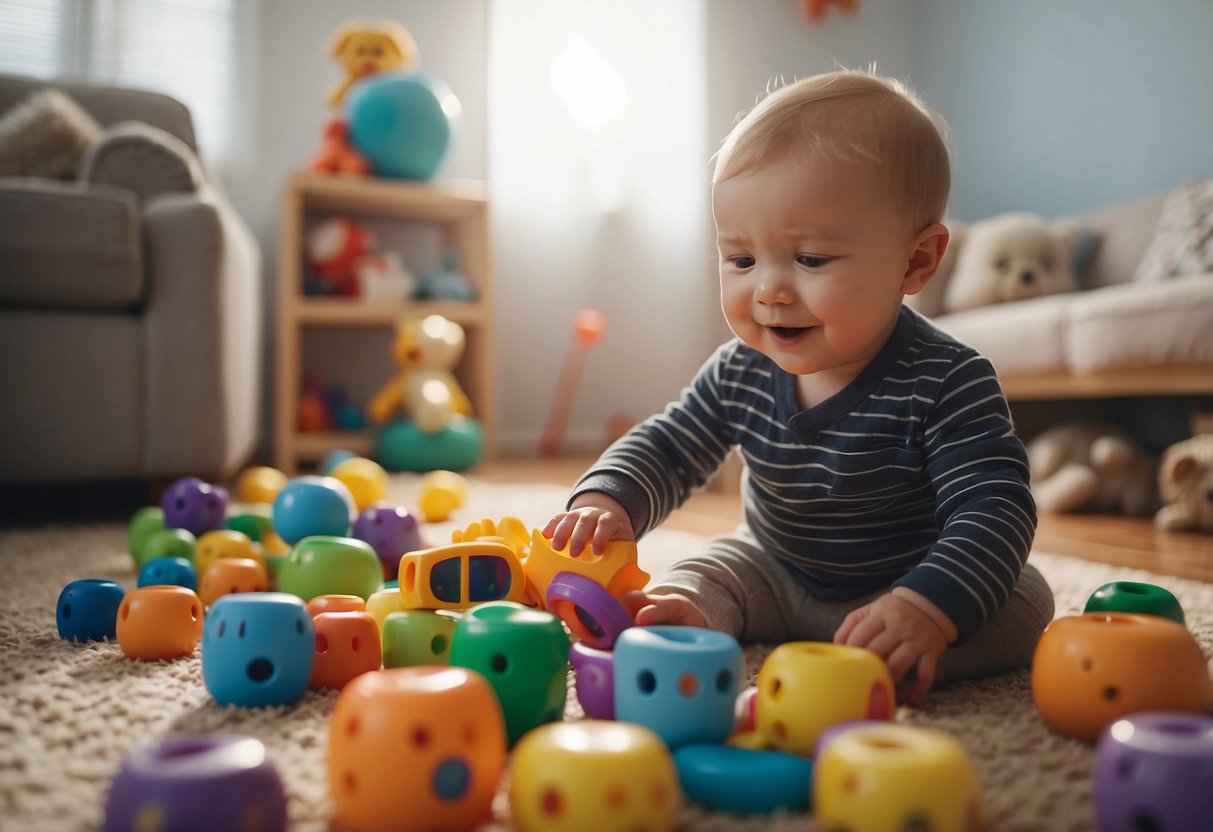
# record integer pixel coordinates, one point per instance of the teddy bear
(1007, 257)
(1185, 480)
(1086, 466)
(364, 47)
(425, 389)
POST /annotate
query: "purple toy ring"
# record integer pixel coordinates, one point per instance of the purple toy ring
(591, 612)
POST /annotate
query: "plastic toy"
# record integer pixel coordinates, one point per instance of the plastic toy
(460, 575)
(415, 748)
(594, 680)
(591, 613)
(227, 576)
(837, 728)
(365, 478)
(1153, 772)
(425, 389)
(334, 250)
(384, 278)
(445, 283)
(168, 543)
(616, 569)
(336, 154)
(605, 776)
(174, 571)
(804, 687)
(418, 637)
(891, 777)
(330, 565)
(1131, 596)
(144, 523)
(383, 603)
(524, 655)
(401, 445)
(257, 649)
(253, 520)
(1092, 669)
(681, 682)
(742, 780)
(364, 47)
(403, 123)
(312, 505)
(224, 543)
(441, 493)
(194, 505)
(201, 782)
(87, 609)
(508, 530)
(335, 603)
(347, 645)
(589, 325)
(311, 411)
(333, 458)
(258, 484)
(391, 531)
(159, 622)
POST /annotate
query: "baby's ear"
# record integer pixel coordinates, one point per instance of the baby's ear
(924, 291)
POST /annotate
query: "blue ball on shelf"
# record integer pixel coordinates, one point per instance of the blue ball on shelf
(403, 123)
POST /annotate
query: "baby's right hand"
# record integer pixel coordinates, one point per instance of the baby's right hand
(595, 518)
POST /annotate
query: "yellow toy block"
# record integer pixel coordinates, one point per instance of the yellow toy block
(460, 575)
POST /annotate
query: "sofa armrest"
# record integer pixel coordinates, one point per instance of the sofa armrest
(143, 159)
(63, 245)
(203, 329)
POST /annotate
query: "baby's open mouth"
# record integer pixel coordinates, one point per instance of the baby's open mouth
(787, 333)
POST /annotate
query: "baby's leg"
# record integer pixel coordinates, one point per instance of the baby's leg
(1007, 640)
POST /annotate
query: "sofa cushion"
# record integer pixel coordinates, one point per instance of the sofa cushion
(143, 159)
(47, 134)
(1183, 241)
(1149, 324)
(1026, 336)
(67, 246)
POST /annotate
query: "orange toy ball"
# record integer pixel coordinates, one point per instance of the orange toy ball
(589, 325)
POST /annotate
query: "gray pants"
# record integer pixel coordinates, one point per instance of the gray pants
(744, 591)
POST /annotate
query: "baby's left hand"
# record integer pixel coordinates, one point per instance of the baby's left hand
(904, 634)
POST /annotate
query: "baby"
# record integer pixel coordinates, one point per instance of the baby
(885, 499)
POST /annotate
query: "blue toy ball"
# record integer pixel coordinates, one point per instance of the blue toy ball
(312, 505)
(402, 446)
(403, 123)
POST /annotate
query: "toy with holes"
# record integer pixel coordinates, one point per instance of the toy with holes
(418, 637)
(892, 777)
(804, 687)
(194, 505)
(87, 609)
(329, 565)
(159, 622)
(227, 576)
(257, 649)
(391, 530)
(347, 645)
(415, 748)
(585, 590)
(199, 782)
(1153, 772)
(607, 776)
(1134, 596)
(680, 682)
(1092, 669)
(460, 575)
(524, 655)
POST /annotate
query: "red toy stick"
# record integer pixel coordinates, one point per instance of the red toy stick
(589, 325)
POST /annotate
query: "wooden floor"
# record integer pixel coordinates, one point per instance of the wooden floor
(1120, 541)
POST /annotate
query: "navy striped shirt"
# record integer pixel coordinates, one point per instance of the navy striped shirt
(910, 476)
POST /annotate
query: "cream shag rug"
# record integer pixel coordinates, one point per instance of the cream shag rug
(69, 712)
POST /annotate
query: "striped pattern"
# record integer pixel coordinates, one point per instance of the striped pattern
(910, 476)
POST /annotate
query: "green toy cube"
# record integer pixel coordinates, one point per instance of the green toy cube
(523, 653)
(144, 523)
(330, 565)
(418, 637)
(168, 543)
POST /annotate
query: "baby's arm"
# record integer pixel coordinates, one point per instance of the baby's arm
(904, 629)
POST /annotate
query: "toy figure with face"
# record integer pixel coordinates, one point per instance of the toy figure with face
(365, 47)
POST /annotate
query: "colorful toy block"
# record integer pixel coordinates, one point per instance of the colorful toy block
(1133, 596)
(312, 505)
(257, 649)
(227, 576)
(391, 531)
(347, 645)
(460, 575)
(176, 571)
(323, 565)
(87, 609)
(194, 505)
(159, 622)
(418, 637)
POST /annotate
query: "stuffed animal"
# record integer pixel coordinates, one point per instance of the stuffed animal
(384, 278)
(335, 249)
(1185, 480)
(336, 154)
(364, 47)
(1007, 257)
(425, 389)
(1084, 466)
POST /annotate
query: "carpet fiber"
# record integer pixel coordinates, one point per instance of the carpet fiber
(69, 712)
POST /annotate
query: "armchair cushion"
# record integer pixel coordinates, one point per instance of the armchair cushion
(1026, 336)
(142, 159)
(46, 134)
(64, 245)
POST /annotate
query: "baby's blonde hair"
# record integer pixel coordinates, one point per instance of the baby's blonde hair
(856, 117)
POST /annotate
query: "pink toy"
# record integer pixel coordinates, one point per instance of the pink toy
(589, 325)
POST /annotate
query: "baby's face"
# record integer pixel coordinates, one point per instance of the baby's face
(812, 261)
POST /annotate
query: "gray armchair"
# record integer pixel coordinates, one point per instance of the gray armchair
(130, 307)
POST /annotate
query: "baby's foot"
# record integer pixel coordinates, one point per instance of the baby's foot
(647, 610)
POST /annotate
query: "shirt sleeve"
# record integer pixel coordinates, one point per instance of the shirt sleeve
(657, 465)
(984, 507)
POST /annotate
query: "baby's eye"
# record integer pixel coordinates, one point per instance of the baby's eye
(811, 261)
(742, 261)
